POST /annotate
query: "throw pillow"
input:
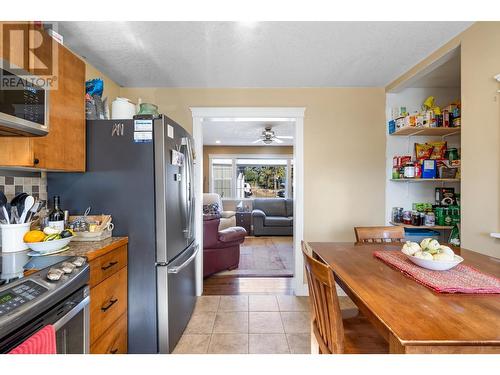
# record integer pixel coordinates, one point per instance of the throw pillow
(211, 209)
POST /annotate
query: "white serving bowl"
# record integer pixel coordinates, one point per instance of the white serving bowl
(436, 265)
(48, 246)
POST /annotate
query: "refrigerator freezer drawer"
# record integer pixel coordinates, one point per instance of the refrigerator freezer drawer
(176, 298)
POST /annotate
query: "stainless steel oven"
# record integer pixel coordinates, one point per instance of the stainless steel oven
(24, 106)
(33, 302)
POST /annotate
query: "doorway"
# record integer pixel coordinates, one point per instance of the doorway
(242, 169)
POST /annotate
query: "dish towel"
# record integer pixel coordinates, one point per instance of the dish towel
(42, 342)
(460, 279)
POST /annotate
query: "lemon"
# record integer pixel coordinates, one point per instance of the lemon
(34, 236)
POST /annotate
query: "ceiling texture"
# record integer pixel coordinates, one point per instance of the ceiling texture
(244, 133)
(258, 54)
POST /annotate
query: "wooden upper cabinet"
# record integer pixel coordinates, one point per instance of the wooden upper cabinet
(63, 149)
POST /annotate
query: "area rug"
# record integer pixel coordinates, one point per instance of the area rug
(264, 257)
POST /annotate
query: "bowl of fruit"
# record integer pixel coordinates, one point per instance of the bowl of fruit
(49, 240)
(431, 254)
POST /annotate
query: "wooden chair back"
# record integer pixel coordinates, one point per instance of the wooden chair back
(379, 234)
(326, 313)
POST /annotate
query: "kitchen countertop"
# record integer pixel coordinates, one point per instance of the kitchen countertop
(94, 249)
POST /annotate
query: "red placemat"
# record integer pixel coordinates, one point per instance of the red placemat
(460, 279)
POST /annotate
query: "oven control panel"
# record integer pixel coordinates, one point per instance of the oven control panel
(18, 295)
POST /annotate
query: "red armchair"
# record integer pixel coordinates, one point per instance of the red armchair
(221, 249)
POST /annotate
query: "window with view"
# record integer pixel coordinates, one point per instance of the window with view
(250, 178)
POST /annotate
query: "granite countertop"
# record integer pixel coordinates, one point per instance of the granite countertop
(94, 249)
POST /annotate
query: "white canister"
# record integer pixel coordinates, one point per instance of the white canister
(122, 109)
(12, 237)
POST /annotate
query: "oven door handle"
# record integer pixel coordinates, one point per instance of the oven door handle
(72, 313)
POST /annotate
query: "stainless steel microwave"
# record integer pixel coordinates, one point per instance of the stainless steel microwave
(24, 106)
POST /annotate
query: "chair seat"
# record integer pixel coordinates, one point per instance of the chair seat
(278, 221)
(362, 338)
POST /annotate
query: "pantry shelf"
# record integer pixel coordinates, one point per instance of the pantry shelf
(421, 226)
(438, 132)
(425, 179)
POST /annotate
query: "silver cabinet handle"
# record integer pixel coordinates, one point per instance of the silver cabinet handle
(178, 269)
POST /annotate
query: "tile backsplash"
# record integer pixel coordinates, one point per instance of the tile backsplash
(36, 186)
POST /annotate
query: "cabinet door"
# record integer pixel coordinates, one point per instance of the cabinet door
(15, 151)
(64, 147)
(113, 340)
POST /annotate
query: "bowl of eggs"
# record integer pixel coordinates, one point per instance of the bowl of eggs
(431, 254)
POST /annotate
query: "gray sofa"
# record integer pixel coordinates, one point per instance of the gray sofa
(272, 217)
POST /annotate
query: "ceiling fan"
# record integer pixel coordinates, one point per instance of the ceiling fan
(268, 136)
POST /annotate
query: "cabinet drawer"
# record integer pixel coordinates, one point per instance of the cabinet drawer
(108, 301)
(103, 267)
(114, 339)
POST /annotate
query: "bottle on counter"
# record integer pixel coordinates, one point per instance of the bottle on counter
(56, 215)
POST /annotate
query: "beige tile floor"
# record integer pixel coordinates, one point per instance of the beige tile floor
(251, 324)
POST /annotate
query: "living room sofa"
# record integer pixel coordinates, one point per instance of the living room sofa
(272, 217)
(221, 248)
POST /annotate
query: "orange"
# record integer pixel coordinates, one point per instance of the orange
(34, 236)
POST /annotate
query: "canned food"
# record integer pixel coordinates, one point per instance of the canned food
(430, 219)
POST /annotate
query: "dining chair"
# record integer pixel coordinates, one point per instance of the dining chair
(379, 234)
(334, 334)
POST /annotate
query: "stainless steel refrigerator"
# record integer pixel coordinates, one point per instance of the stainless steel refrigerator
(141, 172)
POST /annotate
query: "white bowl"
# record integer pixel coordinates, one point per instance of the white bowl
(436, 265)
(48, 246)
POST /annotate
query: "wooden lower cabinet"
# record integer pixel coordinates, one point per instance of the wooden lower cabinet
(113, 340)
(108, 303)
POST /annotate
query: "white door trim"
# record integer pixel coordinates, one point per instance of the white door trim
(293, 113)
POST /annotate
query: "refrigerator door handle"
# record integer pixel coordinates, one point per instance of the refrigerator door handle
(179, 268)
(189, 187)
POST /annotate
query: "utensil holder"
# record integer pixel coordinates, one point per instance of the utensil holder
(12, 237)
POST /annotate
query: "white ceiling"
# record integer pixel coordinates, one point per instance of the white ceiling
(243, 133)
(262, 54)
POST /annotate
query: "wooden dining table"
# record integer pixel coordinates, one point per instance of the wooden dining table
(411, 317)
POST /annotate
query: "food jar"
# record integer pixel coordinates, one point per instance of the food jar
(407, 217)
(397, 214)
(415, 218)
(430, 219)
(409, 171)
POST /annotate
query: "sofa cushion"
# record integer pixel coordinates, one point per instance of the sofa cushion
(271, 206)
(278, 221)
(232, 234)
(289, 207)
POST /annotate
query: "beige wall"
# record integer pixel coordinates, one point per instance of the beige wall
(344, 147)
(111, 89)
(239, 150)
(481, 137)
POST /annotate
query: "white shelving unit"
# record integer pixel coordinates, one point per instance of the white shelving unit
(442, 82)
